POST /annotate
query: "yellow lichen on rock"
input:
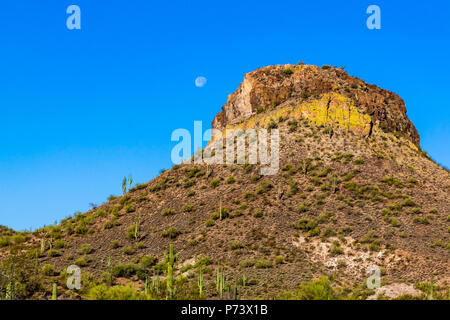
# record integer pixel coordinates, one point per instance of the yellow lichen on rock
(335, 110)
(330, 110)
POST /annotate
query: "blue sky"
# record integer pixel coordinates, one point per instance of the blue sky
(80, 109)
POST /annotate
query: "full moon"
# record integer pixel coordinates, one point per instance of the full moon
(200, 82)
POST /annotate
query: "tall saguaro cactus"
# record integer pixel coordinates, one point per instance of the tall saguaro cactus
(124, 185)
(220, 281)
(170, 258)
(200, 282)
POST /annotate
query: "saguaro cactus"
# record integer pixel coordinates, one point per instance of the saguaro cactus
(54, 293)
(200, 282)
(220, 281)
(170, 258)
(124, 185)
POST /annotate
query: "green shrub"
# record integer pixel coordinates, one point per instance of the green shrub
(230, 180)
(81, 262)
(279, 260)
(5, 241)
(264, 186)
(102, 292)
(148, 261)
(115, 244)
(209, 223)
(128, 250)
(100, 213)
(304, 207)
(288, 71)
(60, 244)
(258, 213)
(86, 248)
(124, 270)
(188, 207)
(263, 264)
(171, 233)
(336, 250)
(316, 290)
(53, 253)
(214, 183)
(168, 212)
(191, 193)
(234, 245)
(48, 270)
(140, 245)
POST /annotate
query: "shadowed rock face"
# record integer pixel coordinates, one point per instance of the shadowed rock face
(273, 86)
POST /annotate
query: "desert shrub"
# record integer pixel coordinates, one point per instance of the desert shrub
(86, 248)
(125, 270)
(263, 264)
(292, 125)
(235, 244)
(248, 263)
(81, 229)
(230, 180)
(393, 221)
(288, 71)
(188, 207)
(148, 261)
(279, 260)
(59, 244)
(128, 250)
(129, 208)
(258, 213)
(53, 253)
(264, 186)
(319, 289)
(272, 125)
(131, 232)
(304, 207)
(108, 225)
(423, 220)
(5, 241)
(140, 245)
(100, 213)
(188, 183)
(48, 270)
(236, 213)
(336, 249)
(392, 181)
(249, 195)
(209, 223)
(168, 212)
(102, 292)
(81, 262)
(171, 233)
(214, 183)
(115, 244)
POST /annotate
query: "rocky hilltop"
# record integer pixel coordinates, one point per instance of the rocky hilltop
(354, 191)
(284, 85)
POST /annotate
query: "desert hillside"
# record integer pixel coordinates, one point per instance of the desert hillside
(354, 190)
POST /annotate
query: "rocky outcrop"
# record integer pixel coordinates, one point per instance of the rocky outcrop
(275, 86)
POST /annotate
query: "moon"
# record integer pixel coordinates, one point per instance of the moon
(200, 82)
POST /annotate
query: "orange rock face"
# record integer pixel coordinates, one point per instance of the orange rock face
(271, 86)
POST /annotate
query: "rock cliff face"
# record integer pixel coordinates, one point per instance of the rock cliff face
(289, 85)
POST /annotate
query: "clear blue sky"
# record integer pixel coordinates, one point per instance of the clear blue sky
(81, 109)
